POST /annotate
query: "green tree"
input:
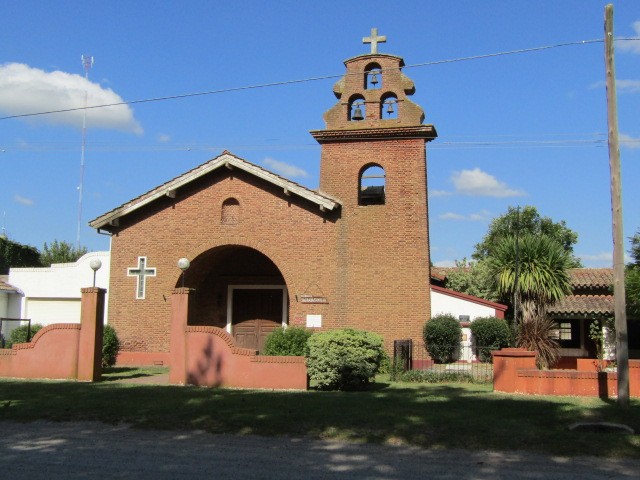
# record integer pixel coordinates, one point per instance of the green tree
(543, 272)
(526, 221)
(472, 278)
(635, 248)
(60, 252)
(632, 279)
(13, 254)
(542, 279)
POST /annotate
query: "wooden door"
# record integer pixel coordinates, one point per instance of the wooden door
(256, 312)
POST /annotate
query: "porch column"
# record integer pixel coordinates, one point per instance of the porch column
(177, 344)
(91, 328)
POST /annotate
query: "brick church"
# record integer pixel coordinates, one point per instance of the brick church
(263, 251)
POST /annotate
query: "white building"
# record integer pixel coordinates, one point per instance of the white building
(51, 294)
(466, 308)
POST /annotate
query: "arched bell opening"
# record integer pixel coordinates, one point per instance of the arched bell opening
(372, 77)
(238, 289)
(389, 106)
(357, 108)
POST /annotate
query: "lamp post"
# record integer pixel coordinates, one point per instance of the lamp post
(183, 264)
(95, 265)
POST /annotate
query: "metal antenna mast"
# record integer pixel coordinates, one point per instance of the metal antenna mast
(87, 63)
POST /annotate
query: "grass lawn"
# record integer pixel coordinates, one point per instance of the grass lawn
(426, 415)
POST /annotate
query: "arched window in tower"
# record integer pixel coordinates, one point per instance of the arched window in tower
(230, 214)
(371, 185)
(389, 107)
(372, 77)
(357, 108)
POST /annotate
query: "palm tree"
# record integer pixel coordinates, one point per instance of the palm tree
(540, 279)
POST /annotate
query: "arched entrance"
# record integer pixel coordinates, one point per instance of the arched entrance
(241, 290)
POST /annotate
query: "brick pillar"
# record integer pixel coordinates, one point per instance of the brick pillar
(91, 329)
(177, 343)
(506, 363)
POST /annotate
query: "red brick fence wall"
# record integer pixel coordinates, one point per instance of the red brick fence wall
(208, 356)
(63, 350)
(515, 371)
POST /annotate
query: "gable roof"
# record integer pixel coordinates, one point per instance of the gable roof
(469, 298)
(581, 278)
(224, 160)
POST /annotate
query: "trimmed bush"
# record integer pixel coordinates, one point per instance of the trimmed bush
(429, 376)
(490, 333)
(442, 337)
(344, 359)
(19, 334)
(287, 341)
(110, 346)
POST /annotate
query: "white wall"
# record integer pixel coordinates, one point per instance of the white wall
(52, 295)
(442, 303)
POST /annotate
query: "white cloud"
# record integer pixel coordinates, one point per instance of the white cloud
(632, 46)
(445, 263)
(23, 200)
(285, 169)
(439, 193)
(628, 86)
(628, 141)
(622, 86)
(451, 216)
(478, 183)
(474, 217)
(24, 89)
(164, 138)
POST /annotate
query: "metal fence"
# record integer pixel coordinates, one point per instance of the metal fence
(446, 363)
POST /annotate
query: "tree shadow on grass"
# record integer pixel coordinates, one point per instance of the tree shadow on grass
(426, 415)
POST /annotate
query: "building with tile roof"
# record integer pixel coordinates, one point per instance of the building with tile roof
(264, 252)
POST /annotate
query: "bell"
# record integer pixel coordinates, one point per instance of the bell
(374, 78)
(357, 114)
(389, 108)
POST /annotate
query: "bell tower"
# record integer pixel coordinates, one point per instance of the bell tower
(374, 162)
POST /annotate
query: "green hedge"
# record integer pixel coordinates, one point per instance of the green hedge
(287, 341)
(442, 337)
(344, 359)
(19, 334)
(490, 333)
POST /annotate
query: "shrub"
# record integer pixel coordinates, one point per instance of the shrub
(110, 346)
(287, 341)
(537, 335)
(429, 376)
(344, 359)
(442, 337)
(490, 333)
(19, 334)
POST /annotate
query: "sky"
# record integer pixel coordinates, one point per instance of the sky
(515, 129)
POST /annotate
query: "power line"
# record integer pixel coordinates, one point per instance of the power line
(310, 79)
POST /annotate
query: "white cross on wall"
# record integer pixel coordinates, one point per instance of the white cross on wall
(142, 272)
(374, 39)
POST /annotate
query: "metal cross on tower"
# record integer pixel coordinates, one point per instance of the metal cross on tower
(374, 39)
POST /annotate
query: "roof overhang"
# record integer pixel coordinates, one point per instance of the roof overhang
(227, 161)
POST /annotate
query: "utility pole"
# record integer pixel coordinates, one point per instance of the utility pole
(622, 346)
(87, 63)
